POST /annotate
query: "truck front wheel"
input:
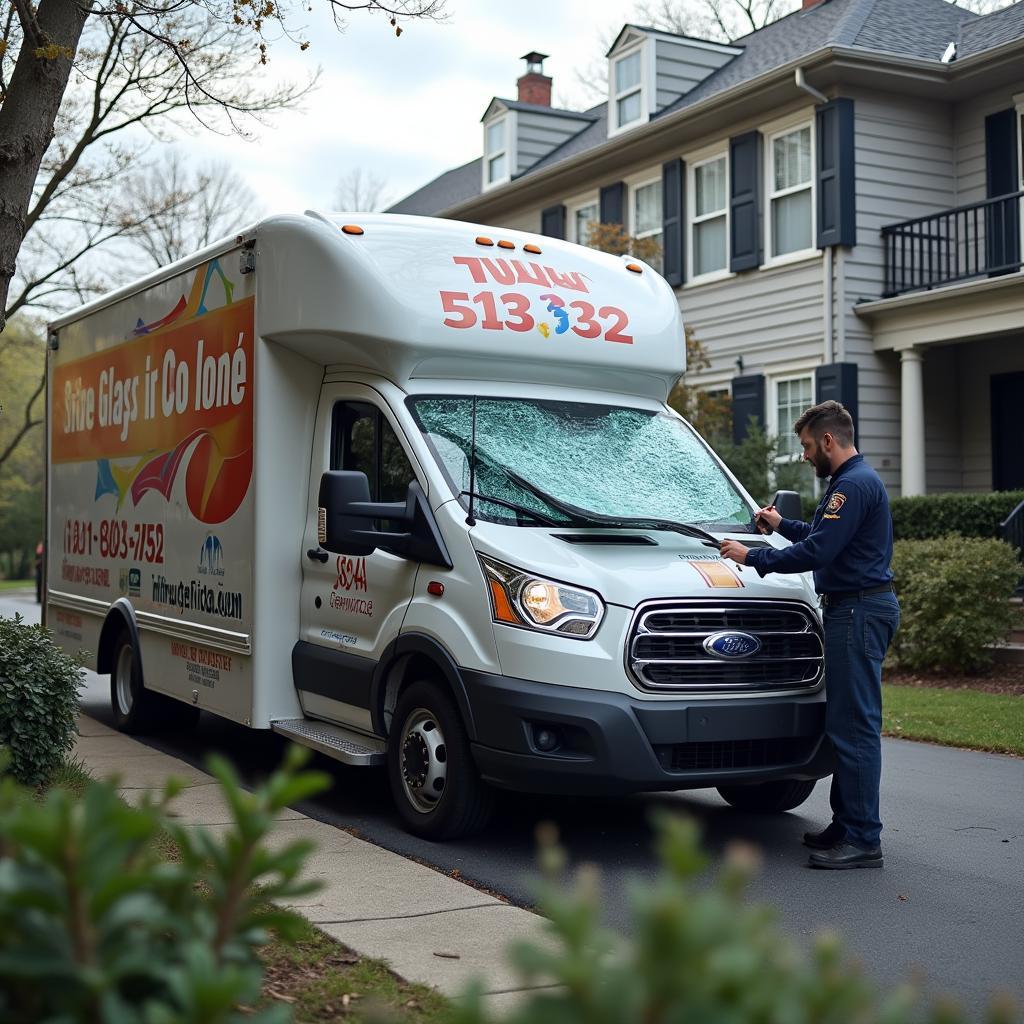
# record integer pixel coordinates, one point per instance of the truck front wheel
(136, 709)
(433, 778)
(783, 795)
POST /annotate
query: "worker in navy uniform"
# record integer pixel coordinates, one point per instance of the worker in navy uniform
(848, 545)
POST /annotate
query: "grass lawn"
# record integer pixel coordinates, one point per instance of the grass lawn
(959, 718)
(17, 584)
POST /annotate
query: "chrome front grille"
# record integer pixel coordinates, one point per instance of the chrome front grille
(665, 650)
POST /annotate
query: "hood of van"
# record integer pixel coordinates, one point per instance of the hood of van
(627, 567)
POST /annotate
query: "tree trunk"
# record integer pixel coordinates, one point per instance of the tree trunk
(34, 94)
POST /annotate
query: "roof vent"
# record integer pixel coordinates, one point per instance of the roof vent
(950, 55)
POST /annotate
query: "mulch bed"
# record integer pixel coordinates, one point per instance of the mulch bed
(1004, 679)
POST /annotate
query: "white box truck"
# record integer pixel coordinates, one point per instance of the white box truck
(407, 491)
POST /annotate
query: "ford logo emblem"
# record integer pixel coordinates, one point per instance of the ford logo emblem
(731, 645)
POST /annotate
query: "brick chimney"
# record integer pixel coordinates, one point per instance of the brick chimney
(535, 86)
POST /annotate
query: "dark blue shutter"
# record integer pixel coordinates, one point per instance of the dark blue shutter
(837, 207)
(747, 401)
(837, 382)
(1002, 234)
(613, 203)
(745, 201)
(673, 221)
(552, 221)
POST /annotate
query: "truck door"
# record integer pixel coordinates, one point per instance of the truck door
(352, 607)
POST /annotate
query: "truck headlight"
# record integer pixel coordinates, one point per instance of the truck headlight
(522, 599)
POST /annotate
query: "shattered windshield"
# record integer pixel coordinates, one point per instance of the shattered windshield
(613, 460)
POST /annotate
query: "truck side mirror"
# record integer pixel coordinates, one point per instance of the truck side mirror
(347, 521)
(788, 504)
(337, 529)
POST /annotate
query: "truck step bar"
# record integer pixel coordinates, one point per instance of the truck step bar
(333, 740)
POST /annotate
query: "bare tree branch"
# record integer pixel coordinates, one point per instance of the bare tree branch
(360, 191)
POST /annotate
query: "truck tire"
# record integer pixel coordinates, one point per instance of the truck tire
(772, 797)
(136, 709)
(434, 780)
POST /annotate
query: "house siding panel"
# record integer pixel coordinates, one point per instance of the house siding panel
(537, 135)
(969, 126)
(680, 67)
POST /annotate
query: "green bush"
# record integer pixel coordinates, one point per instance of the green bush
(954, 596)
(698, 954)
(97, 923)
(39, 687)
(926, 517)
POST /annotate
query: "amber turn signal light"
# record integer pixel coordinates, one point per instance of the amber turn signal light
(352, 229)
(635, 267)
(483, 240)
(505, 244)
(535, 249)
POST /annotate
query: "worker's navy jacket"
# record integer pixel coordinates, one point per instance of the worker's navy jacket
(848, 543)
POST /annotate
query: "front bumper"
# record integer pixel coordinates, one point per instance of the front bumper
(612, 743)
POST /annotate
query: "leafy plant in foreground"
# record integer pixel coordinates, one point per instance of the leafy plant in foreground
(39, 687)
(97, 923)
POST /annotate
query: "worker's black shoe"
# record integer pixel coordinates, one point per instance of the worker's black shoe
(826, 838)
(846, 855)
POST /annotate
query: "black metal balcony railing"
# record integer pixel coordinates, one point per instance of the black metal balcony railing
(982, 239)
(1011, 529)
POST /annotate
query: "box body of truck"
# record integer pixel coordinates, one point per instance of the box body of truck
(485, 411)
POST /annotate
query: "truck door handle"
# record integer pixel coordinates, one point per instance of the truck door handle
(317, 555)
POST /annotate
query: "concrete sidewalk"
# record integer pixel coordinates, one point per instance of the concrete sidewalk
(428, 927)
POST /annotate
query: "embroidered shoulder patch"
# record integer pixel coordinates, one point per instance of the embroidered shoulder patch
(835, 502)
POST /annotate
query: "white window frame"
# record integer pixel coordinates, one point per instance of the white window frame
(643, 47)
(772, 425)
(573, 207)
(632, 187)
(692, 163)
(508, 152)
(770, 194)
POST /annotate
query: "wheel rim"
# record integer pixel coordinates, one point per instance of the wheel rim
(424, 760)
(123, 679)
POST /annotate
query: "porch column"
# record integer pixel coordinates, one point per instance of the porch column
(912, 461)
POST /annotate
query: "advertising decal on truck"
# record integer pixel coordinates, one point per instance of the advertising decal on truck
(151, 455)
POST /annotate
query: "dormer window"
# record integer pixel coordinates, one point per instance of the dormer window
(627, 86)
(497, 162)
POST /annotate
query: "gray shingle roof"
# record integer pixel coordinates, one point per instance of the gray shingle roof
(446, 190)
(919, 29)
(992, 30)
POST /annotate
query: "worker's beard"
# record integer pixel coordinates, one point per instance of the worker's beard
(822, 465)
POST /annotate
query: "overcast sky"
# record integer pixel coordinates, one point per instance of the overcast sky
(405, 108)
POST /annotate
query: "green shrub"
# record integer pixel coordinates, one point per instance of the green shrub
(97, 924)
(954, 597)
(39, 687)
(698, 954)
(929, 516)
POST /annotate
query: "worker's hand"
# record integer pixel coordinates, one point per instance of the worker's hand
(735, 550)
(767, 519)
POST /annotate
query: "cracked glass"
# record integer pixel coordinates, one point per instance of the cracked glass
(613, 460)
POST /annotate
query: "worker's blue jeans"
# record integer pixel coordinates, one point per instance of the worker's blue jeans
(858, 631)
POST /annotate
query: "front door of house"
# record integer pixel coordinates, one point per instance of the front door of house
(1007, 451)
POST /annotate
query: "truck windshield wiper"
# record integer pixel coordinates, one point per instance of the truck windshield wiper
(586, 517)
(521, 509)
(576, 515)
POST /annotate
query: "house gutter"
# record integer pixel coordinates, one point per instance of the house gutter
(828, 281)
(662, 126)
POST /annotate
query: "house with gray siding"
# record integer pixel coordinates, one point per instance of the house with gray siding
(838, 201)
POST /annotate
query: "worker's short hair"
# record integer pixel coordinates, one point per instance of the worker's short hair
(827, 418)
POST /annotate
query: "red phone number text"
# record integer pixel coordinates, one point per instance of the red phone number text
(591, 322)
(114, 538)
